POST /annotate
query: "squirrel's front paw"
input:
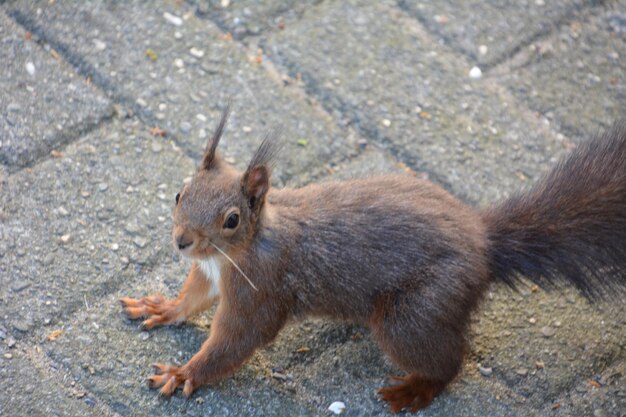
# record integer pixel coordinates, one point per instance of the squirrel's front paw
(170, 378)
(158, 310)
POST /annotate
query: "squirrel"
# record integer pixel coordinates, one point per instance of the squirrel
(395, 253)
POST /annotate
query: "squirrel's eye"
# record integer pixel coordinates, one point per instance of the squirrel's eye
(232, 221)
(177, 197)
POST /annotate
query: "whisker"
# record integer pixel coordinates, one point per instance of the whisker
(235, 265)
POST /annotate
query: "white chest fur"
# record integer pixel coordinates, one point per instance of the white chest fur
(212, 269)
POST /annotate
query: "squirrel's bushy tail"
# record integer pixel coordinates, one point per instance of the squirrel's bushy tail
(570, 227)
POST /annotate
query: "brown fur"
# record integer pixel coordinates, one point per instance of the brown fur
(396, 253)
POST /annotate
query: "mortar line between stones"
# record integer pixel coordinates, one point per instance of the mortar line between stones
(327, 98)
(224, 29)
(494, 88)
(273, 74)
(69, 136)
(503, 57)
(100, 81)
(33, 356)
(249, 43)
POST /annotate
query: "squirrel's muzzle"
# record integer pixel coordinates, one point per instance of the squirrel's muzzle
(183, 241)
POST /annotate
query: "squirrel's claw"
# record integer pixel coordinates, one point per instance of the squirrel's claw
(169, 378)
(158, 310)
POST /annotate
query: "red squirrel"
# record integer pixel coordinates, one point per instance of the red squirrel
(395, 253)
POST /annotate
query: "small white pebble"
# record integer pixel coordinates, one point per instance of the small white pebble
(65, 238)
(173, 19)
(482, 49)
(99, 45)
(178, 35)
(201, 117)
(247, 129)
(475, 73)
(30, 68)
(179, 63)
(114, 247)
(337, 407)
(386, 122)
(141, 102)
(198, 53)
(225, 3)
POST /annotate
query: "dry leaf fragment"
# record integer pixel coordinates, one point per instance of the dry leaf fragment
(54, 334)
(151, 54)
(303, 349)
(595, 383)
(56, 154)
(157, 131)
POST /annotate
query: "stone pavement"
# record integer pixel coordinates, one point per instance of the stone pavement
(356, 87)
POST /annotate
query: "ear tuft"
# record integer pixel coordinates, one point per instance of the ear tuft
(209, 151)
(266, 152)
(256, 179)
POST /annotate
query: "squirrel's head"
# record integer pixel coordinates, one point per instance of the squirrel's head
(220, 207)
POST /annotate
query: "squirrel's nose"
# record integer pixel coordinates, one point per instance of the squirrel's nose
(183, 241)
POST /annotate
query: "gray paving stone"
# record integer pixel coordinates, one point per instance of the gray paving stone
(603, 395)
(72, 227)
(28, 391)
(582, 340)
(577, 78)
(503, 26)
(371, 162)
(183, 93)
(43, 103)
(244, 18)
(373, 68)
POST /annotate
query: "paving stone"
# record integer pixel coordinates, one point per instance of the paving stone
(250, 18)
(65, 239)
(182, 93)
(508, 338)
(395, 86)
(43, 103)
(591, 93)
(369, 163)
(602, 395)
(503, 27)
(28, 391)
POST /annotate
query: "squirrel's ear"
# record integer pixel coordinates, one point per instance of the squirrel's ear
(209, 151)
(256, 180)
(256, 183)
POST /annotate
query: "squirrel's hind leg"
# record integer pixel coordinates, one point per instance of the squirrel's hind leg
(196, 296)
(417, 339)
